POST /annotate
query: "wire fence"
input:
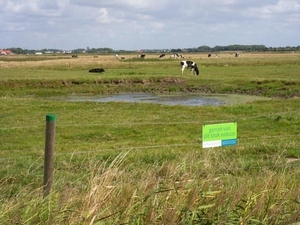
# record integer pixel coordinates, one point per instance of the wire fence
(198, 143)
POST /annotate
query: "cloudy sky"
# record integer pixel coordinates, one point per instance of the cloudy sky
(147, 24)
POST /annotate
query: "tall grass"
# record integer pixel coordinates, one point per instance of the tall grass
(189, 191)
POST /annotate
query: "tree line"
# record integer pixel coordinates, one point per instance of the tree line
(203, 48)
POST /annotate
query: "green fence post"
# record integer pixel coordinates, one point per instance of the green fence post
(49, 153)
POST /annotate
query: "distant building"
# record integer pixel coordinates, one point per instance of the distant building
(67, 51)
(6, 52)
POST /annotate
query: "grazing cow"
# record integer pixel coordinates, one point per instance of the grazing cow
(237, 54)
(141, 56)
(117, 56)
(189, 64)
(209, 55)
(74, 56)
(97, 70)
(175, 56)
(162, 55)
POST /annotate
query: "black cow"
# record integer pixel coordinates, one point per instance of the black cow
(141, 56)
(97, 70)
(162, 55)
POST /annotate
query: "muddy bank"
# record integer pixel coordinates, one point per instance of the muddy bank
(157, 85)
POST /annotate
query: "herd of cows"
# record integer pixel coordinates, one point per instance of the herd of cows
(175, 56)
(183, 64)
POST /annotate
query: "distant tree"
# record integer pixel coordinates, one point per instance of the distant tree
(204, 48)
(17, 50)
(176, 50)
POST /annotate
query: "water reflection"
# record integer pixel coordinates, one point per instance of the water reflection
(186, 100)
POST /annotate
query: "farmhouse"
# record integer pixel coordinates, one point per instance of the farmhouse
(6, 52)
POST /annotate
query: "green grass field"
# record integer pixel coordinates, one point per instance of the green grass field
(139, 163)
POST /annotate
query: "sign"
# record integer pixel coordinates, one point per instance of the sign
(217, 135)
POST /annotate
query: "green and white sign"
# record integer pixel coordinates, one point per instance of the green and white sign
(216, 135)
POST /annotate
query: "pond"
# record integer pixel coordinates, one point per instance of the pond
(184, 99)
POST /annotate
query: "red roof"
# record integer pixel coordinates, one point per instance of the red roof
(6, 52)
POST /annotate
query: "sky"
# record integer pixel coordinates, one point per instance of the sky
(147, 24)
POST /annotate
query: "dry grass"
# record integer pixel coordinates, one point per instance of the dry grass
(172, 193)
(17, 61)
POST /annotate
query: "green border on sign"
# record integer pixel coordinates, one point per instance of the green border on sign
(222, 131)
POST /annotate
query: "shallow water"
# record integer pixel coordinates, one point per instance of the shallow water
(186, 100)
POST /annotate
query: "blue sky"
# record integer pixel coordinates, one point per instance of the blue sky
(147, 24)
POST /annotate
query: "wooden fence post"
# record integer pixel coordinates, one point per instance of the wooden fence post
(49, 153)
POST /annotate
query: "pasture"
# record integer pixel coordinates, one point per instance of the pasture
(139, 163)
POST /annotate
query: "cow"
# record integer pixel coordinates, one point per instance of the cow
(189, 64)
(237, 54)
(74, 56)
(97, 70)
(209, 55)
(175, 56)
(117, 57)
(162, 55)
(141, 56)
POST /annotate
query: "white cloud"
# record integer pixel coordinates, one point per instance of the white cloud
(104, 17)
(35, 7)
(286, 6)
(157, 25)
(122, 24)
(274, 10)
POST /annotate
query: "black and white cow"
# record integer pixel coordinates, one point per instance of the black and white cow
(141, 56)
(191, 65)
(176, 56)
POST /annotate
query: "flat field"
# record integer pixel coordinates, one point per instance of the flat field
(139, 163)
